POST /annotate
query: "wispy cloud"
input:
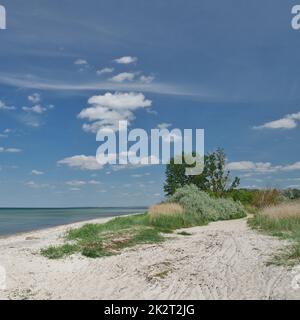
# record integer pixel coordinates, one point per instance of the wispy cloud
(38, 83)
(81, 62)
(35, 109)
(35, 185)
(10, 150)
(104, 71)
(5, 133)
(124, 76)
(4, 106)
(164, 125)
(140, 175)
(81, 162)
(76, 183)
(29, 119)
(146, 79)
(79, 183)
(37, 172)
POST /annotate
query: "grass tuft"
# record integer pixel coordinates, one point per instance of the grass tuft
(58, 252)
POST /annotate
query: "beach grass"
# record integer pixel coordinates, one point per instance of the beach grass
(281, 221)
(98, 240)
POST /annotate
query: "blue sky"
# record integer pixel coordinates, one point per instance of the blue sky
(230, 67)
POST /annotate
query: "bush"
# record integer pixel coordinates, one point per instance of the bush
(169, 223)
(291, 194)
(245, 196)
(199, 203)
(260, 199)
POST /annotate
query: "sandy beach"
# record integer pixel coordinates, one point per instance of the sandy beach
(224, 260)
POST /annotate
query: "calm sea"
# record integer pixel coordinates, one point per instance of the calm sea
(21, 220)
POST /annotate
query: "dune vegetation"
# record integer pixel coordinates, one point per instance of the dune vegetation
(283, 221)
(188, 207)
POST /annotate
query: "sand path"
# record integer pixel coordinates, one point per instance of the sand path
(224, 260)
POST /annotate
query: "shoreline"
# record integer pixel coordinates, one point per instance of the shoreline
(61, 227)
(65, 226)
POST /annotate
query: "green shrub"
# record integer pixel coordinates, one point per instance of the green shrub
(199, 203)
(245, 196)
(168, 223)
(291, 194)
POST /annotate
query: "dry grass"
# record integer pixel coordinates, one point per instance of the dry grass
(285, 210)
(266, 198)
(166, 209)
(282, 221)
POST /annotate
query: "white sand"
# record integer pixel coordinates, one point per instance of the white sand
(224, 260)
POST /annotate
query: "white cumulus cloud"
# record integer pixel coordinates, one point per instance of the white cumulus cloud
(80, 62)
(34, 98)
(292, 167)
(287, 122)
(126, 60)
(107, 110)
(261, 167)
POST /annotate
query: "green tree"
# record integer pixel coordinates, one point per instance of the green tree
(214, 179)
(218, 177)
